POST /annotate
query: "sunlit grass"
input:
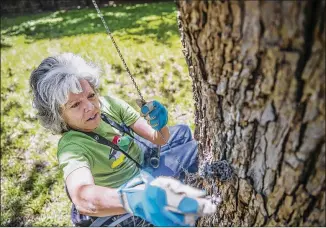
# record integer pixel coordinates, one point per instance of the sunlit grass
(32, 191)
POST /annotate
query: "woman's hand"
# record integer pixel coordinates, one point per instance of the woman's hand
(156, 114)
(155, 127)
(164, 201)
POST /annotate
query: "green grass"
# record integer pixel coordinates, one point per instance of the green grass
(32, 191)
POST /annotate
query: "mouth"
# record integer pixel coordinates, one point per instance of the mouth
(93, 117)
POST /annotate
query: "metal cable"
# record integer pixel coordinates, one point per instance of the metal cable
(118, 50)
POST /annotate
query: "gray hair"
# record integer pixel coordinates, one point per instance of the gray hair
(51, 83)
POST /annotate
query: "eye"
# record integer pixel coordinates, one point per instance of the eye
(75, 105)
(91, 95)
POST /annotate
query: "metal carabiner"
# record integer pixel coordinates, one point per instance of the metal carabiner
(149, 105)
(154, 159)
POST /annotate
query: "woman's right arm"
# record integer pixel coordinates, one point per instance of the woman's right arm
(91, 199)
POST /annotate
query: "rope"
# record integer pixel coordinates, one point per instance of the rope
(118, 50)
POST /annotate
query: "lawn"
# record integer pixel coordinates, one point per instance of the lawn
(32, 192)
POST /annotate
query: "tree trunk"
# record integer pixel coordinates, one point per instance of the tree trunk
(258, 71)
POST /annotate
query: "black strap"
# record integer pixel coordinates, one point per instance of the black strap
(121, 128)
(154, 154)
(104, 141)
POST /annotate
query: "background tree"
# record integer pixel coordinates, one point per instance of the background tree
(258, 71)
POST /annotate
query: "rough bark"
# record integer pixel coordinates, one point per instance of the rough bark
(258, 71)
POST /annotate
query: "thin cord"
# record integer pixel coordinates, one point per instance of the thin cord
(118, 50)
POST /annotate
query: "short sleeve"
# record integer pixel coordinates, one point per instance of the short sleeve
(125, 111)
(70, 158)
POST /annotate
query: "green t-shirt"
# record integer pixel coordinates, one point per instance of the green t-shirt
(109, 168)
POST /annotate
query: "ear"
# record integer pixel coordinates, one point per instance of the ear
(62, 111)
(64, 126)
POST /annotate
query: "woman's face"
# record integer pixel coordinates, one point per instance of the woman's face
(82, 111)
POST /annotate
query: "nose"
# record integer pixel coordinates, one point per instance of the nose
(89, 106)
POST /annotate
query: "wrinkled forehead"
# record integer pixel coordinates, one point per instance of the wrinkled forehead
(85, 86)
(84, 90)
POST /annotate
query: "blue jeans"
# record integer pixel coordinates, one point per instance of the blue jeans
(181, 155)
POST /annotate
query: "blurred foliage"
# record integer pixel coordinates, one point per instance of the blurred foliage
(153, 20)
(32, 192)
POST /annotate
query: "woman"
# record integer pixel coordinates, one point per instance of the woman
(102, 181)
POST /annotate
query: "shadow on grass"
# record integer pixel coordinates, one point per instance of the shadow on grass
(33, 188)
(155, 20)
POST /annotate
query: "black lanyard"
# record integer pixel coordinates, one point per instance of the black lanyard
(153, 157)
(104, 141)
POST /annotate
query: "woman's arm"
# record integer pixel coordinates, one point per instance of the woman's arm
(143, 129)
(91, 199)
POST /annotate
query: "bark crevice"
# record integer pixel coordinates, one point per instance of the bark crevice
(311, 21)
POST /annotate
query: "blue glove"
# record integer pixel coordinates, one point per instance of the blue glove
(156, 114)
(164, 201)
